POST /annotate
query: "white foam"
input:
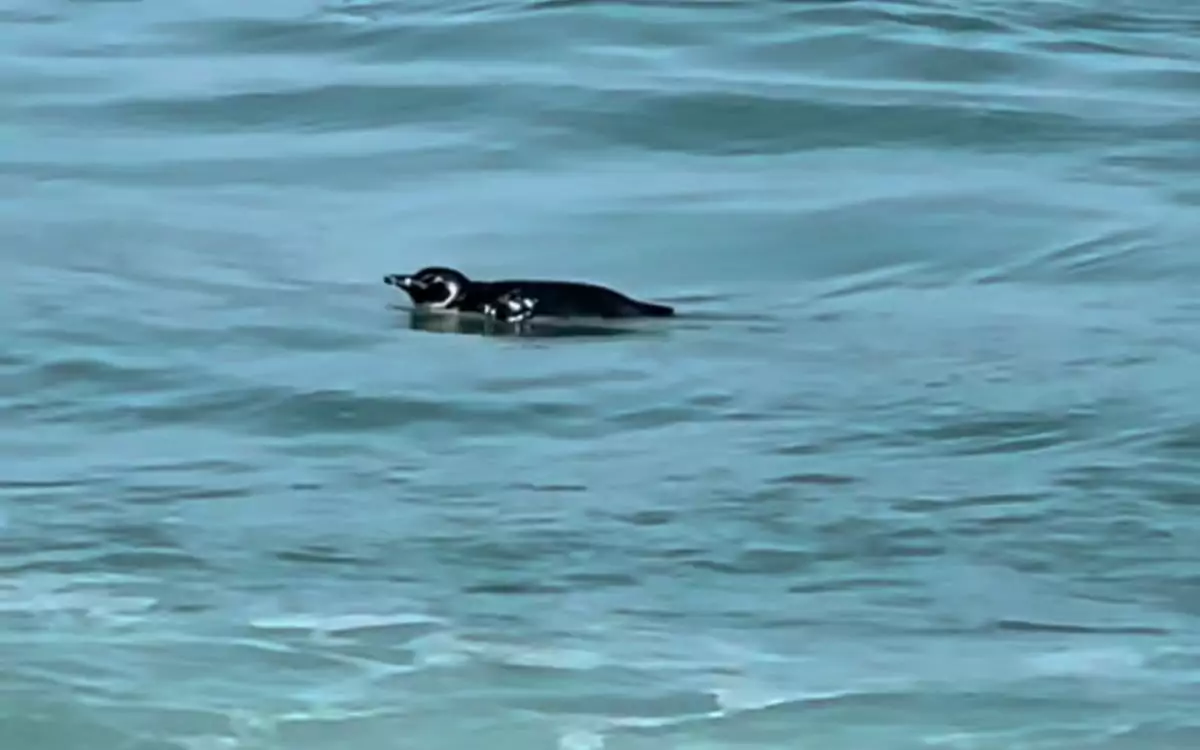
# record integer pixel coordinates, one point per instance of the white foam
(208, 743)
(1107, 662)
(748, 697)
(59, 599)
(581, 739)
(341, 623)
(539, 656)
(441, 650)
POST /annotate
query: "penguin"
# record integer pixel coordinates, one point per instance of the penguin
(446, 289)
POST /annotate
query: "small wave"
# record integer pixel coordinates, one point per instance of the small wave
(1087, 663)
(283, 410)
(1108, 253)
(1029, 626)
(1015, 432)
(346, 623)
(48, 598)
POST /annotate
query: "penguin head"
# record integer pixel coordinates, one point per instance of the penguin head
(433, 287)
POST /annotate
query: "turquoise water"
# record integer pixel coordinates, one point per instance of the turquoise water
(917, 467)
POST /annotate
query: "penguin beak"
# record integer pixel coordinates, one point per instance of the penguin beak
(400, 280)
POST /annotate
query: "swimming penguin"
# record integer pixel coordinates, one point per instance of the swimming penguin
(439, 288)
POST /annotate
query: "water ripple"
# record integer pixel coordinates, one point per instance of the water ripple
(916, 461)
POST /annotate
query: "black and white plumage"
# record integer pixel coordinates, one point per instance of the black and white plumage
(513, 301)
(512, 307)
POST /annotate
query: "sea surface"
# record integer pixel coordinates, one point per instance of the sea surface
(916, 467)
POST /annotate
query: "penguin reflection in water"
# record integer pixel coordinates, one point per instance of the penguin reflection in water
(512, 301)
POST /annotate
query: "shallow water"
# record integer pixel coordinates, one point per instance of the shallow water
(915, 468)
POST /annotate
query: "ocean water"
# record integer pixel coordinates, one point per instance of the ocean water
(917, 466)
